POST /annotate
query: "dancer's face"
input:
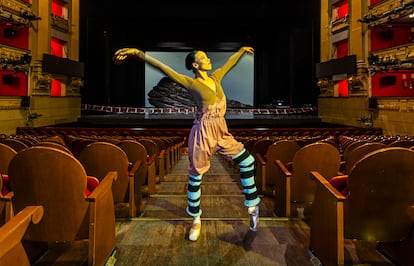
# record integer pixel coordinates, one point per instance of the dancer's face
(202, 61)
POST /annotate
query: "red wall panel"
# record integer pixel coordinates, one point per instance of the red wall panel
(386, 37)
(57, 48)
(57, 9)
(14, 36)
(58, 88)
(340, 10)
(393, 84)
(343, 88)
(343, 9)
(342, 48)
(13, 83)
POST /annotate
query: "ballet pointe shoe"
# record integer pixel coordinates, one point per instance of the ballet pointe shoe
(254, 217)
(195, 230)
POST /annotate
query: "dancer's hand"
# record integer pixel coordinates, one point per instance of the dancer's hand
(247, 49)
(125, 53)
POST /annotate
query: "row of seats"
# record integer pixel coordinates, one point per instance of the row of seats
(378, 205)
(378, 208)
(284, 166)
(263, 150)
(242, 133)
(308, 200)
(155, 156)
(48, 171)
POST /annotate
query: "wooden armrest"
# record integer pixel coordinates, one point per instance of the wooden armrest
(152, 159)
(12, 232)
(161, 154)
(327, 223)
(135, 167)
(131, 188)
(260, 158)
(104, 185)
(317, 177)
(282, 167)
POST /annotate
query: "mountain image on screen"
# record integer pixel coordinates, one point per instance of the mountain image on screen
(168, 93)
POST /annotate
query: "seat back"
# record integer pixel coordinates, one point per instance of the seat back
(56, 180)
(98, 158)
(249, 143)
(405, 143)
(381, 189)
(318, 156)
(153, 151)
(161, 158)
(358, 152)
(16, 144)
(136, 151)
(352, 145)
(53, 144)
(283, 150)
(56, 139)
(261, 146)
(77, 144)
(150, 145)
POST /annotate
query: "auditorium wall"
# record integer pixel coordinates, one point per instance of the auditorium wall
(392, 116)
(377, 91)
(29, 95)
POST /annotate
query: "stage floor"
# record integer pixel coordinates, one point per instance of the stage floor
(186, 120)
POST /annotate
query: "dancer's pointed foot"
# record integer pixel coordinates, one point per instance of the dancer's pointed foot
(195, 230)
(254, 217)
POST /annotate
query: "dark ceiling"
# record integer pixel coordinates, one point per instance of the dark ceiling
(152, 22)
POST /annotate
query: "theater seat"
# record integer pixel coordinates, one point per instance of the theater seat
(98, 158)
(153, 158)
(57, 181)
(380, 193)
(282, 150)
(137, 152)
(294, 190)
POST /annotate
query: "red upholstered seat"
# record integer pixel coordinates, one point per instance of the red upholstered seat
(91, 183)
(6, 185)
(340, 183)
